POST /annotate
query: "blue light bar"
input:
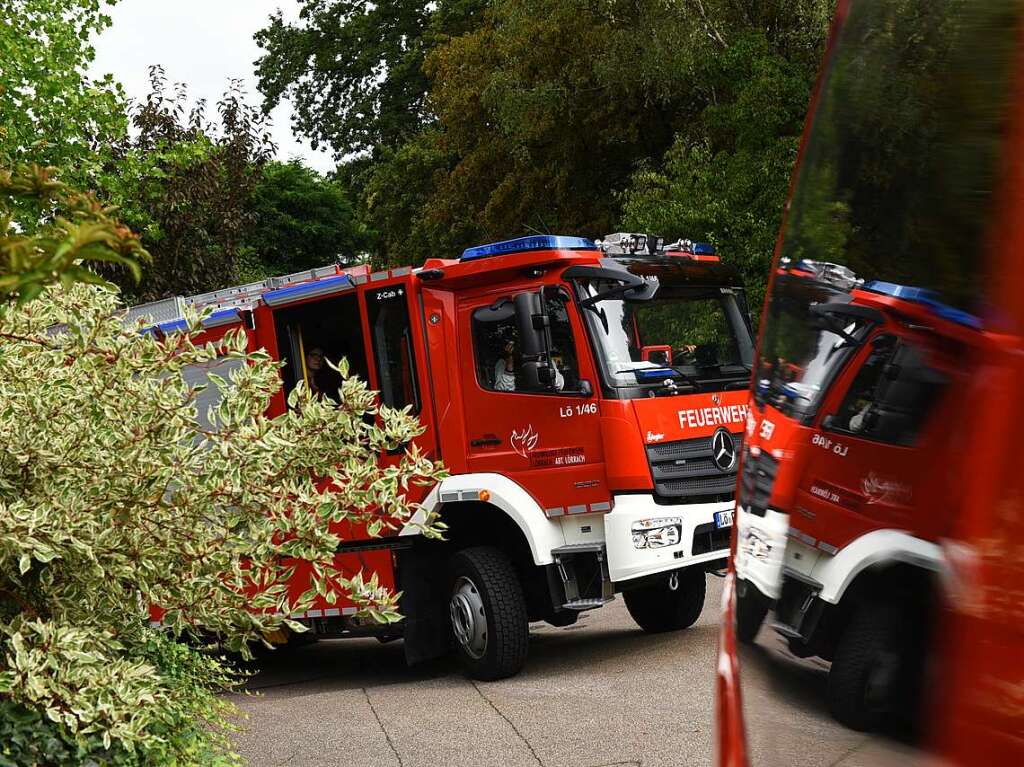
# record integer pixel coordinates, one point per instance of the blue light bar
(522, 244)
(215, 320)
(926, 297)
(703, 249)
(314, 289)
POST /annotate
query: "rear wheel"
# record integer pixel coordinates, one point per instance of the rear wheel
(488, 613)
(751, 609)
(671, 603)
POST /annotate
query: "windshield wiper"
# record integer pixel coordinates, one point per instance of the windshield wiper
(644, 289)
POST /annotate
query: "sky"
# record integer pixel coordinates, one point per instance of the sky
(203, 43)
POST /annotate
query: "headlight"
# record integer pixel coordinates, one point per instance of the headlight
(755, 546)
(657, 533)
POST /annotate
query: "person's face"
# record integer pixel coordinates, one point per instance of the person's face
(314, 359)
(510, 348)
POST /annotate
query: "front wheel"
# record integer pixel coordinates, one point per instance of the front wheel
(671, 603)
(488, 613)
(869, 672)
(751, 609)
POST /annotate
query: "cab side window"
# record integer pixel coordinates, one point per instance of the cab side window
(892, 394)
(498, 352)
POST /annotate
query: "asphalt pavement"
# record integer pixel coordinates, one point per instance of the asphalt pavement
(598, 694)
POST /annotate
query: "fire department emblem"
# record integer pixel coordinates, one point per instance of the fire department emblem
(524, 441)
(878, 489)
(716, 399)
(723, 451)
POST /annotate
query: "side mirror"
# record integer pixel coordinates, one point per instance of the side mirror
(658, 354)
(537, 376)
(892, 371)
(555, 294)
(828, 423)
(528, 311)
(585, 388)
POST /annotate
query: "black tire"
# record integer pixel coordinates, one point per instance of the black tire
(751, 609)
(658, 607)
(868, 681)
(506, 624)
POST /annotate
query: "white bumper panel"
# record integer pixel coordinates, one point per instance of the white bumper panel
(836, 573)
(626, 562)
(760, 549)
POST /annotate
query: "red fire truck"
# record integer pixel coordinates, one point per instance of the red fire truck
(840, 521)
(588, 401)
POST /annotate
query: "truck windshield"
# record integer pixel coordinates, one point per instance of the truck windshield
(800, 353)
(694, 338)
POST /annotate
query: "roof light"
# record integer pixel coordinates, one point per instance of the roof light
(523, 244)
(836, 275)
(693, 248)
(925, 297)
(631, 243)
(695, 251)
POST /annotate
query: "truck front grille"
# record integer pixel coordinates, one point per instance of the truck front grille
(757, 481)
(684, 471)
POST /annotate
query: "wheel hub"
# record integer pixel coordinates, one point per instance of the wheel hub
(469, 622)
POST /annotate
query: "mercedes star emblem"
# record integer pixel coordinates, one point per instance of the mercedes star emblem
(723, 451)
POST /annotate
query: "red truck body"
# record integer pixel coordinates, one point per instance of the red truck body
(580, 467)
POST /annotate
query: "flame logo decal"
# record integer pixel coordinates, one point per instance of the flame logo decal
(524, 441)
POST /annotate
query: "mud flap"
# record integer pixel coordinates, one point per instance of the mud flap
(422, 579)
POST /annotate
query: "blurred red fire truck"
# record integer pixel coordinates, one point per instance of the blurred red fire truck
(881, 503)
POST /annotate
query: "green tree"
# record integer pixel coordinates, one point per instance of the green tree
(354, 71)
(726, 176)
(70, 231)
(51, 112)
(545, 108)
(117, 494)
(186, 184)
(585, 117)
(301, 220)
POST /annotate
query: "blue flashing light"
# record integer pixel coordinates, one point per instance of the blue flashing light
(926, 297)
(222, 317)
(522, 244)
(174, 326)
(703, 249)
(314, 289)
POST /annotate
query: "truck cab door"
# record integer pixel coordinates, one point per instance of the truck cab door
(547, 438)
(865, 470)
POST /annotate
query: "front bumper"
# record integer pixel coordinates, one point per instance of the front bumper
(760, 550)
(699, 541)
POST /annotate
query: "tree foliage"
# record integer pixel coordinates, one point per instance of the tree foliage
(117, 493)
(51, 112)
(906, 149)
(563, 115)
(726, 175)
(185, 183)
(301, 220)
(70, 231)
(354, 70)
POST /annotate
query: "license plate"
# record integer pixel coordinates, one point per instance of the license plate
(723, 519)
